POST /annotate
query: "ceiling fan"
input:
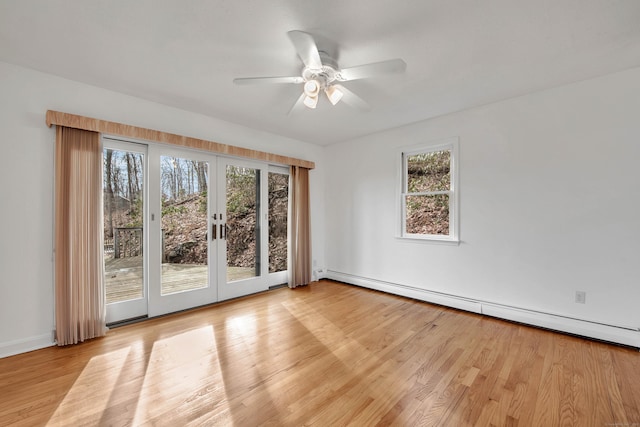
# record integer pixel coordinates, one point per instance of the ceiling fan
(321, 73)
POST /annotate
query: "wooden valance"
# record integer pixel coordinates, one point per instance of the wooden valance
(119, 129)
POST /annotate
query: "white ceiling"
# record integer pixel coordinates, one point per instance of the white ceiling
(459, 53)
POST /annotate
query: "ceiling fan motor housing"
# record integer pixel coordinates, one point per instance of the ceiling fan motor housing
(325, 75)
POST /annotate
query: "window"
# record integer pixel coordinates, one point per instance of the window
(278, 212)
(429, 192)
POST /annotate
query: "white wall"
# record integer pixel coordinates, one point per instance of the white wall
(26, 267)
(550, 204)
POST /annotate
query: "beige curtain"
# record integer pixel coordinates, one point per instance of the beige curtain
(300, 228)
(79, 278)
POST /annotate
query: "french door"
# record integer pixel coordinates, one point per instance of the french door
(212, 228)
(125, 237)
(242, 199)
(182, 265)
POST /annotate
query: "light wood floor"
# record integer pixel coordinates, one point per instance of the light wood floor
(327, 354)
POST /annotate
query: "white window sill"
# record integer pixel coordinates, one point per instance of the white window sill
(416, 238)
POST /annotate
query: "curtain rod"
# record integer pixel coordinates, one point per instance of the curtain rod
(119, 129)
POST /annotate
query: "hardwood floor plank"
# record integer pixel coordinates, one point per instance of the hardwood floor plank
(326, 354)
(488, 364)
(527, 373)
(610, 388)
(630, 394)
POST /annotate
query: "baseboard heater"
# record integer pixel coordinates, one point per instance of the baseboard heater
(585, 328)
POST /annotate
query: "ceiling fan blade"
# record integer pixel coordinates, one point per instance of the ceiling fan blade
(374, 69)
(306, 47)
(267, 80)
(352, 100)
(299, 105)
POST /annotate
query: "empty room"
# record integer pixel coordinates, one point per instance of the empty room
(320, 213)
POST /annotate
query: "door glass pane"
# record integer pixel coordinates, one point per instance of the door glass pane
(278, 209)
(184, 225)
(243, 233)
(123, 225)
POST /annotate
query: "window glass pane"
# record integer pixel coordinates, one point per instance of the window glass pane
(278, 208)
(427, 214)
(429, 171)
(123, 222)
(243, 234)
(184, 225)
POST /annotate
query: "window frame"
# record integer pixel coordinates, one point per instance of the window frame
(452, 145)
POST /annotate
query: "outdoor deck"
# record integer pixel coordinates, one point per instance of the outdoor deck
(124, 277)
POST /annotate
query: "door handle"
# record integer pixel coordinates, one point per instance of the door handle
(213, 232)
(223, 231)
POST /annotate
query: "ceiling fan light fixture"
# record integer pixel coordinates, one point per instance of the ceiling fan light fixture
(334, 94)
(310, 101)
(312, 88)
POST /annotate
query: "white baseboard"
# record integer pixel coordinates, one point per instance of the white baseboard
(586, 328)
(24, 345)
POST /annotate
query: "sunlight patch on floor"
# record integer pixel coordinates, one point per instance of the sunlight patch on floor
(84, 397)
(345, 348)
(371, 379)
(182, 369)
(245, 324)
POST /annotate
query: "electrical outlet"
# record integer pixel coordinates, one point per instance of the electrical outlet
(581, 297)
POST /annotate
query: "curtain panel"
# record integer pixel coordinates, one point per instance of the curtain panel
(300, 228)
(79, 265)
